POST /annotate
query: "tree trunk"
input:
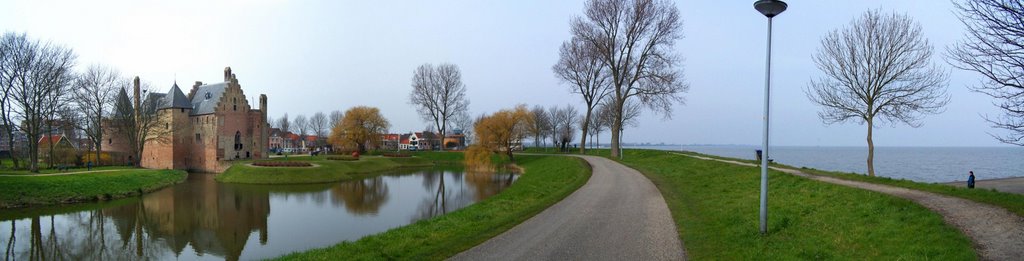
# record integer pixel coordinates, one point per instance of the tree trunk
(586, 125)
(871, 151)
(616, 127)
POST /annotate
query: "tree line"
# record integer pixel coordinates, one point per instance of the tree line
(42, 92)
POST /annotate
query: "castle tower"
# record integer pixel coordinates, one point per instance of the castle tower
(264, 139)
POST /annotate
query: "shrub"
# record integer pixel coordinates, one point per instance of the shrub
(282, 164)
(396, 155)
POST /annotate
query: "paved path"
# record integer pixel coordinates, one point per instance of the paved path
(61, 173)
(617, 215)
(997, 233)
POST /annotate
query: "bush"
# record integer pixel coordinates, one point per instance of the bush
(342, 158)
(282, 164)
(396, 155)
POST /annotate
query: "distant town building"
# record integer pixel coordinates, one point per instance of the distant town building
(203, 130)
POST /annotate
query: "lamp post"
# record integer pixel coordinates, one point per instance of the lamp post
(769, 8)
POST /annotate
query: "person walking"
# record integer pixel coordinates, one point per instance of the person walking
(970, 180)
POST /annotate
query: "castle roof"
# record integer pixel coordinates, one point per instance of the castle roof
(206, 97)
(175, 99)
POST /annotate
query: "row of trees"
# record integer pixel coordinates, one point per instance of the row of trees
(42, 93)
(317, 125)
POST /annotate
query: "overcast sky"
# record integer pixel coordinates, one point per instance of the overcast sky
(310, 56)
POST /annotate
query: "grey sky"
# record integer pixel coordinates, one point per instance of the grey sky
(310, 56)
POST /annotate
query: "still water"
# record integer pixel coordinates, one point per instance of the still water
(924, 164)
(204, 219)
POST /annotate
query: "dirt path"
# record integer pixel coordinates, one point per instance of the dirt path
(617, 215)
(62, 173)
(998, 234)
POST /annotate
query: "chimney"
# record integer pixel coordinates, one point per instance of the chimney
(198, 83)
(227, 74)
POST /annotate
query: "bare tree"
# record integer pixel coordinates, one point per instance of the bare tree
(995, 48)
(335, 118)
(93, 93)
(463, 122)
(564, 120)
(439, 94)
(40, 74)
(635, 40)
(302, 126)
(580, 65)
(318, 125)
(877, 69)
(540, 125)
(135, 118)
(11, 45)
(599, 122)
(284, 124)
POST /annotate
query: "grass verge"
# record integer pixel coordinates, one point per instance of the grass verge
(715, 207)
(324, 171)
(546, 181)
(1010, 201)
(46, 190)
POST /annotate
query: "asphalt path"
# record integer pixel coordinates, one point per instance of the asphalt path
(618, 215)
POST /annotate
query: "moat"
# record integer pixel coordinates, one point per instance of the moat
(203, 219)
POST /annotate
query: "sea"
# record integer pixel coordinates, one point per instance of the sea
(923, 164)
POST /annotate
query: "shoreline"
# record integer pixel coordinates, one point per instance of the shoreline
(1009, 185)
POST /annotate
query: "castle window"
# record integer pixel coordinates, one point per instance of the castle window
(234, 107)
(167, 125)
(109, 141)
(208, 96)
(182, 110)
(238, 140)
(198, 139)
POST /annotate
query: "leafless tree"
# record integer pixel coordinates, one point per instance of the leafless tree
(877, 69)
(540, 126)
(284, 124)
(581, 67)
(599, 122)
(318, 125)
(564, 121)
(302, 126)
(93, 93)
(11, 46)
(635, 41)
(135, 118)
(40, 73)
(463, 122)
(994, 47)
(335, 118)
(438, 94)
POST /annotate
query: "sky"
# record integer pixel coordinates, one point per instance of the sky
(311, 56)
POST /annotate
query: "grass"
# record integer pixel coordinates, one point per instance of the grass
(28, 191)
(1010, 201)
(546, 181)
(44, 170)
(324, 170)
(715, 207)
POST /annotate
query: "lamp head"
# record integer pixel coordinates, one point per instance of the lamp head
(770, 8)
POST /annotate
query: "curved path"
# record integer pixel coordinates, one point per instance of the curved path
(997, 233)
(617, 215)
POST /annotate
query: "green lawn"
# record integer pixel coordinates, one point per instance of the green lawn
(325, 171)
(44, 170)
(715, 206)
(25, 191)
(1010, 201)
(546, 181)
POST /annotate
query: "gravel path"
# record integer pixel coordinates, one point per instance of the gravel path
(997, 233)
(618, 215)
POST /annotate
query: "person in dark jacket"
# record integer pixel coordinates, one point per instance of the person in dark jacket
(970, 180)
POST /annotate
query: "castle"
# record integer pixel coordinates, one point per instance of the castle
(202, 131)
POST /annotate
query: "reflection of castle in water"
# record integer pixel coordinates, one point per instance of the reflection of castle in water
(215, 219)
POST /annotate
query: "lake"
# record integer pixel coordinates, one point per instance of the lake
(925, 164)
(201, 219)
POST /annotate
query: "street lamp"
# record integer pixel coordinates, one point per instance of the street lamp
(769, 8)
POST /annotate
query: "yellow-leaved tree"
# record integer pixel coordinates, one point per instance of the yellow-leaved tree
(360, 128)
(502, 131)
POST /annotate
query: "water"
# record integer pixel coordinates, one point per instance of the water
(204, 219)
(925, 164)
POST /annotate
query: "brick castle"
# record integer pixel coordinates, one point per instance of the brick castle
(213, 124)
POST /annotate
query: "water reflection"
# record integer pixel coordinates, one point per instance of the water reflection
(203, 219)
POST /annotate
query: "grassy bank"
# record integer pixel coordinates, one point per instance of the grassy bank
(546, 181)
(44, 190)
(1010, 201)
(715, 207)
(325, 170)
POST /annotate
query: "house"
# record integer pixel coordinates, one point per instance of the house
(419, 141)
(276, 140)
(57, 150)
(203, 131)
(390, 141)
(455, 141)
